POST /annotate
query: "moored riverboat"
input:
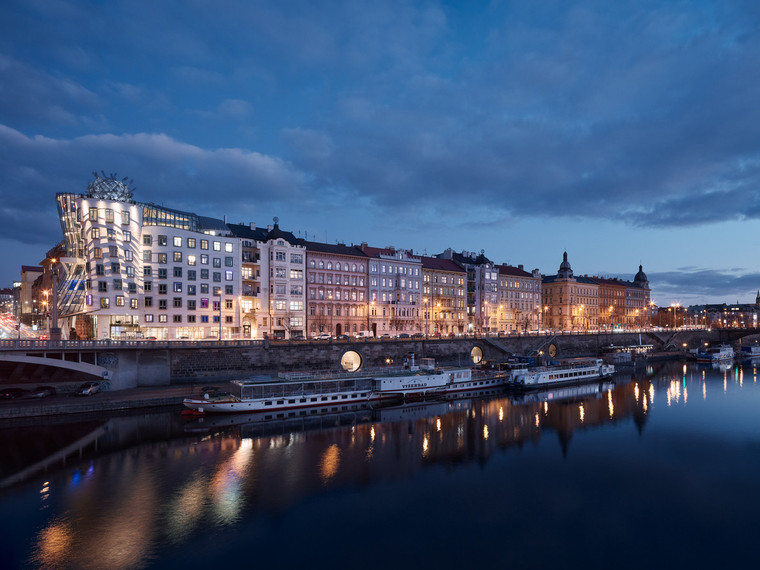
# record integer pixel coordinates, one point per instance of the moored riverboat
(573, 371)
(722, 353)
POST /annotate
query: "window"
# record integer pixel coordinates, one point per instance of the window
(177, 241)
(117, 284)
(100, 269)
(120, 301)
(162, 257)
(130, 271)
(280, 256)
(147, 255)
(228, 261)
(93, 214)
(148, 286)
(228, 275)
(191, 304)
(191, 243)
(162, 273)
(162, 304)
(161, 318)
(177, 287)
(279, 273)
(204, 303)
(191, 289)
(204, 273)
(127, 235)
(148, 318)
(133, 304)
(204, 318)
(228, 290)
(105, 302)
(204, 244)
(161, 240)
(148, 240)
(125, 217)
(148, 301)
(191, 274)
(102, 286)
(95, 233)
(217, 262)
(177, 301)
(115, 268)
(177, 257)
(147, 271)
(191, 259)
(204, 259)
(162, 288)
(296, 273)
(190, 318)
(228, 247)
(204, 288)
(177, 318)
(109, 216)
(296, 258)
(178, 272)
(296, 305)
(128, 255)
(132, 287)
(217, 277)
(113, 251)
(97, 253)
(217, 246)
(228, 304)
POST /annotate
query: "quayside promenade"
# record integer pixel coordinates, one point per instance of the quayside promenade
(155, 373)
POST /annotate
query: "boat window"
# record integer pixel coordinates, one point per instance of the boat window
(351, 361)
(267, 403)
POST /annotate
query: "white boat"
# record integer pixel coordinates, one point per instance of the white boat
(748, 352)
(568, 372)
(720, 353)
(367, 386)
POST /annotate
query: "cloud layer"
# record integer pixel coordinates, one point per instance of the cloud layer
(427, 113)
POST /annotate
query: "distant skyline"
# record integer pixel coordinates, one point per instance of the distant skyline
(624, 133)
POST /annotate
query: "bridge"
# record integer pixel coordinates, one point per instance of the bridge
(130, 364)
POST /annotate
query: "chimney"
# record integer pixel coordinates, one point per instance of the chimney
(269, 227)
(520, 267)
(252, 225)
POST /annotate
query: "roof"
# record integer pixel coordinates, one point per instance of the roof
(31, 268)
(437, 264)
(333, 249)
(514, 271)
(614, 282)
(389, 251)
(263, 234)
(205, 223)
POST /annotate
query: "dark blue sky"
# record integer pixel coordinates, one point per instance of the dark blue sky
(622, 132)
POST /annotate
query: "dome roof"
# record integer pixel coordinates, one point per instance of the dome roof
(109, 188)
(565, 271)
(641, 278)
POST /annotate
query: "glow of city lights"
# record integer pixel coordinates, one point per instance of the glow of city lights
(645, 404)
(636, 391)
(582, 413)
(53, 546)
(538, 422)
(485, 432)
(425, 446)
(546, 407)
(372, 434)
(438, 424)
(704, 390)
(610, 405)
(501, 413)
(329, 463)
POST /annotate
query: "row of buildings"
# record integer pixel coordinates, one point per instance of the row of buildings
(127, 269)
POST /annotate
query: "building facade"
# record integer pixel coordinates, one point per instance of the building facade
(338, 293)
(570, 303)
(444, 300)
(519, 299)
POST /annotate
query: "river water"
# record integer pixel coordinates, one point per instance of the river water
(659, 468)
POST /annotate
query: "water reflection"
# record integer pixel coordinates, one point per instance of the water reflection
(123, 503)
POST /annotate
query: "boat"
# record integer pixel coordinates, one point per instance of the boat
(747, 352)
(574, 371)
(304, 390)
(720, 353)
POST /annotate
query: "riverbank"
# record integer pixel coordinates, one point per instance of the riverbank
(147, 397)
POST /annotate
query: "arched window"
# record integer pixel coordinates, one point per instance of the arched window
(361, 268)
(337, 266)
(312, 264)
(329, 265)
(321, 264)
(353, 267)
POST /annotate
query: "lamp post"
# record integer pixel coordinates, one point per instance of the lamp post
(425, 301)
(220, 316)
(55, 331)
(330, 308)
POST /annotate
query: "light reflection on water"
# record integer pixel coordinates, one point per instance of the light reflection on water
(134, 506)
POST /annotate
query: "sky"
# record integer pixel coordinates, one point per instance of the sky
(623, 132)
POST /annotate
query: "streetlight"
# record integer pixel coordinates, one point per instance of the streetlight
(425, 301)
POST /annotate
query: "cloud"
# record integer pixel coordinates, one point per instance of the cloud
(697, 286)
(211, 182)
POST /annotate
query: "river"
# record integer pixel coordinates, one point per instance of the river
(659, 467)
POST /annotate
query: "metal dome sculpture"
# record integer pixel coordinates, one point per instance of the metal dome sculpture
(109, 188)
